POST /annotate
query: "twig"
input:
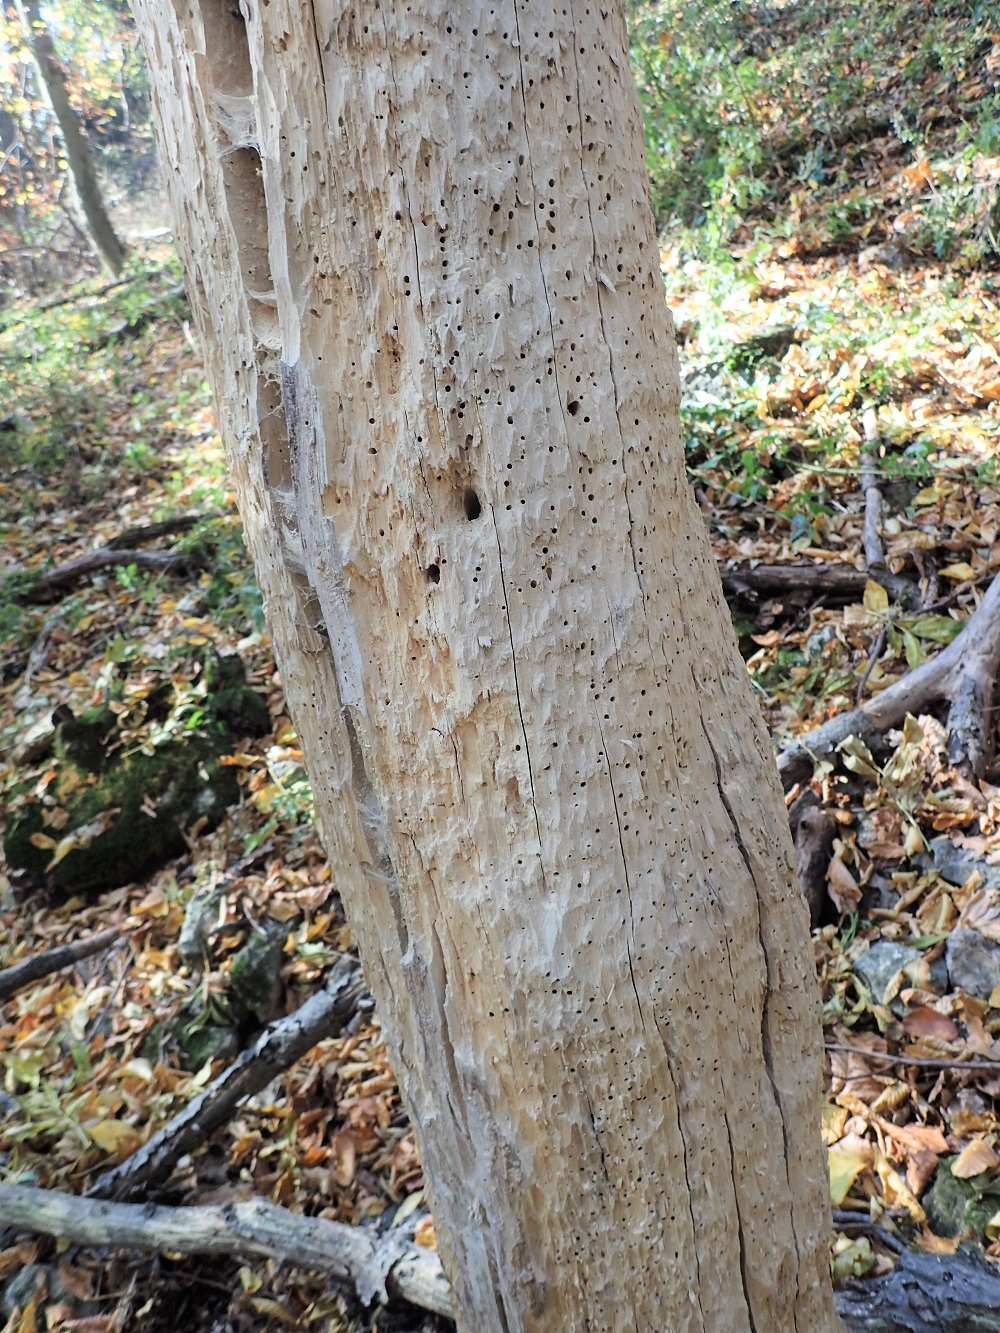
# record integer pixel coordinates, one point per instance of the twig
(878, 647)
(13, 978)
(376, 1266)
(861, 1225)
(987, 1066)
(125, 541)
(324, 1014)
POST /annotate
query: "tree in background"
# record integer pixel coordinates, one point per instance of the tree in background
(90, 78)
(419, 246)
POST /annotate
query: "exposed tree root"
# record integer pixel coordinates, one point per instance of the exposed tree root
(41, 965)
(324, 1014)
(964, 674)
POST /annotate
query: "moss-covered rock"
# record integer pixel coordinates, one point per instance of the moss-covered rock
(255, 973)
(125, 821)
(209, 1041)
(110, 818)
(231, 701)
(956, 1206)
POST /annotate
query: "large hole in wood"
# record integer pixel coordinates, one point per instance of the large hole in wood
(471, 504)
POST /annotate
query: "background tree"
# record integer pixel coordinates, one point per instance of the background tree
(93, 57)
(422, 256)
(78, 158)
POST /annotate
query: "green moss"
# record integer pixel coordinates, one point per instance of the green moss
(231, 701)
(955, 1206)
(83, 741)
(126, 820)
(255, 973)
(126, 813)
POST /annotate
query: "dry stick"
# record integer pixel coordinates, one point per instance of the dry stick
(895, 584)
(41, 965)
(375, 1266)
(878, 647)
(964, 672)
(149, 531)
(324, 1014)
(989, 1066)
(46, 586)
(842, 581)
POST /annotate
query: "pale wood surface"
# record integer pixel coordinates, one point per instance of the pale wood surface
(420, 251)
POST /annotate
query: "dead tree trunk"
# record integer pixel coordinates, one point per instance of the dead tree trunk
(420, 250)
(81, 166)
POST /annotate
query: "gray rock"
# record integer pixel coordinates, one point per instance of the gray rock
(816, 643)
(973, 963)
(880, 964)
(956, 864)
(20, 1289)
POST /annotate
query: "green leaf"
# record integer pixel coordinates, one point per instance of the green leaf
(911, 645)
(940, 629)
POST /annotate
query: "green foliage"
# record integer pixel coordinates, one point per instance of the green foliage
(758, 119)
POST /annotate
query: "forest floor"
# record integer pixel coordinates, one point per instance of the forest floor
(831, 297)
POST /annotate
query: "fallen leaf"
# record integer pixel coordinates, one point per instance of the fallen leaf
(842, 886)
(921, 1167)
(974, 1159)
(924, 1022)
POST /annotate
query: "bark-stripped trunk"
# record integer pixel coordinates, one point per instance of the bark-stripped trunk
(99, 226)
(420, 247)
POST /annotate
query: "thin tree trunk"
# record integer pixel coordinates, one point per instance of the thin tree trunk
(420, 251)
(81, 167)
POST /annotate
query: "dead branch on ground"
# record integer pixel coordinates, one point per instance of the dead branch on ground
(375, 1266)
(22, 974)
(324, 1014)
(964, 674)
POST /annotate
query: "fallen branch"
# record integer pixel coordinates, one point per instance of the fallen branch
(324, 1014)
(118, 550)
(964, 673)
(47, 586)
(840, 582)
(125, 541)
(13, 978)
(375, 1266)
(925, 1293)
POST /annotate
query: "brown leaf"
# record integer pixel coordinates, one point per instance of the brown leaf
(343, 1158)
(920, 1168)
(842, 886)
(929, 1023)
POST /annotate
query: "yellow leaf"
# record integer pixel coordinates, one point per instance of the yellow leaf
(961, 572)
(834, 1120)
(43, 840)
(876, 597)
(844, 1170)
(424, 1233)
(111, 1135)
(914, 843)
